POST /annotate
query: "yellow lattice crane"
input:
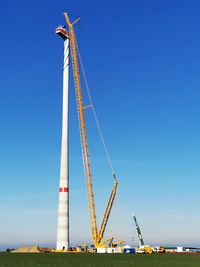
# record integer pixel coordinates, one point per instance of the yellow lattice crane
(97, 235)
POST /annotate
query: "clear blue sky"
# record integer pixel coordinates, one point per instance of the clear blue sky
(143, 65)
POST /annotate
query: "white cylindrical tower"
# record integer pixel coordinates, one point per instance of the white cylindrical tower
(63, 204)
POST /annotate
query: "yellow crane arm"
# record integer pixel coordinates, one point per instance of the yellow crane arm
(108, 210)
(82, 127)
(97, 236)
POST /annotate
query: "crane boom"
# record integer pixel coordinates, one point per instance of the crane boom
(141, 240)
(97, 236)
(108, 210)
(81, 119)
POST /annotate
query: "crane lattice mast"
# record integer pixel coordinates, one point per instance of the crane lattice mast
(81, 119)
(97, 236)
(141, 240)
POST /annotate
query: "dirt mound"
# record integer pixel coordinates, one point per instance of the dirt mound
(33, 249)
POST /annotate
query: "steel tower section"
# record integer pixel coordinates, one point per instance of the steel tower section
(63, 203)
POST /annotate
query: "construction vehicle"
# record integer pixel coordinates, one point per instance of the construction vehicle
(161, 249)
(97, 235)
(119, 243)
(143, 248)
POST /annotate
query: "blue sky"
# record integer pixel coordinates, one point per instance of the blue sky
(143, 62)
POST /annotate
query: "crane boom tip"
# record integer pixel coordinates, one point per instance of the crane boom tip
(114, 176)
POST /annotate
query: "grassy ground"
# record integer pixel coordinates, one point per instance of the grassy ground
(97, 260)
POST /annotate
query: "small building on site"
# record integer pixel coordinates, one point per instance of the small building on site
(101, 250)
(129, 249)
(110, 250)
(188, 249)
(181, 249)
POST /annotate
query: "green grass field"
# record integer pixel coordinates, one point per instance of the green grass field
(97, 260)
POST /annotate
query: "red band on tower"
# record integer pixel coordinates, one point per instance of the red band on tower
(64, 189)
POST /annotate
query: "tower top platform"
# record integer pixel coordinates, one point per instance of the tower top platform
(62, 32)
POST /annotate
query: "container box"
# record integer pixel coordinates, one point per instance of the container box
(101, 250)
(129, 250)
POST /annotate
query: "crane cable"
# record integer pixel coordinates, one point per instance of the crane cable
(94, 113)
